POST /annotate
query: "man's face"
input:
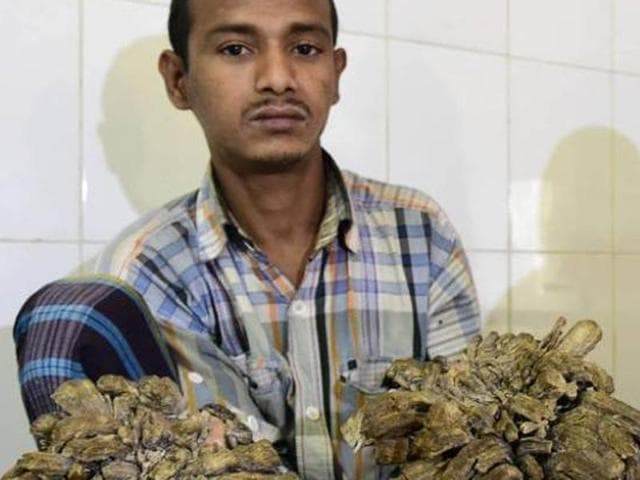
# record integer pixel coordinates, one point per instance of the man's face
(262, 77)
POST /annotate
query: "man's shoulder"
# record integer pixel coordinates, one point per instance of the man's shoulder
(169, 226)
(378, 197)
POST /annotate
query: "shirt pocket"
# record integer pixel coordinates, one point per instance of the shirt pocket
(366, 376)
(361, 380)
(268, 385)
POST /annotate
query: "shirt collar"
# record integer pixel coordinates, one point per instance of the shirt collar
(211, 218)
(339, 217)
(214, 222)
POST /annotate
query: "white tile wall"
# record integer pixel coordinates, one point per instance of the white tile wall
(39, 120)
(464, 23)
(448, 135)
(626, 137)
(536, 164)
(356, 132)
(491, 275)
(627, 312)
(89, 254)
(560, 158)
(138, 151)
(362, 16)
(568, 31)
(627, 35)
(13, 420)
(28, 266)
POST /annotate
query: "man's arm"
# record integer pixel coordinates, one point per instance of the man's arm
(454, 313)
(84, 328)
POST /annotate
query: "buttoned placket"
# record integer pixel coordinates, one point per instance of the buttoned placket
(314, 448)
(313, 444)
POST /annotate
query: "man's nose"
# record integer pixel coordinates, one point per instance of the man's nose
(275, 73)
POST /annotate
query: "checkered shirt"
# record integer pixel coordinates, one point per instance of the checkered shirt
(388, 279)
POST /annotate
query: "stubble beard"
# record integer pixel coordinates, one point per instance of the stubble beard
(268, 163)
(274, 163)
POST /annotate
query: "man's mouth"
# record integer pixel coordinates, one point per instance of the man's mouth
(276, 118)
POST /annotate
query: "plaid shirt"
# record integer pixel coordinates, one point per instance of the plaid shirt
(388, 279)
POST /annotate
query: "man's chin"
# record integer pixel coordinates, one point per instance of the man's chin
(271, 159)
(275, 162)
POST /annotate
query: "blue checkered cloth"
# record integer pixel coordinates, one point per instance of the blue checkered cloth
(84, 328)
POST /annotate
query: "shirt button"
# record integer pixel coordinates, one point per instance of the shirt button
(252, 423)
(195, 377)
(312, 413)
(299, 308)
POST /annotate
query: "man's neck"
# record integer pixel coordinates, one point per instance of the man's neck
(281, 212)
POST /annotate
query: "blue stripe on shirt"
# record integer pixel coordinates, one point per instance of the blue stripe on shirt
(51, 367)
(91, 318)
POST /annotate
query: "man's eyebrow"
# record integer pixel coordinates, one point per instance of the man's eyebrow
(238, 28)
(302, 27)
(248, 29)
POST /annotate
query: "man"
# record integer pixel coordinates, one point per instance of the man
(283, 286)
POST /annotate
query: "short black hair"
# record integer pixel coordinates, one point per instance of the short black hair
(180, 26)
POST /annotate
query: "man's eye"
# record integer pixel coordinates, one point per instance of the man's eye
(306, 50)
(234, 50)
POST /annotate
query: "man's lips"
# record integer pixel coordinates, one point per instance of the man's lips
(278, 118)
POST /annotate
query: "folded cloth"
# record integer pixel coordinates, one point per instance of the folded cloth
(84, 328)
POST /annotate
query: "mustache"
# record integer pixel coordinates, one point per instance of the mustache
(289, 102)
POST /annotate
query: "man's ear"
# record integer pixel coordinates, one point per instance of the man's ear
(340, 62)
(173, 72)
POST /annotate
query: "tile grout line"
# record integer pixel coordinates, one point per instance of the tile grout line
(387, 93)
(568, 253)
(627, 73)
(612, 183)
(81, 166)
(557, 63)
(147, 2)
(446, 46)
(17, 241)
(509, 172)
(493, 53)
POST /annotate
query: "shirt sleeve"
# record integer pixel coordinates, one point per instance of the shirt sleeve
(454, 313)
(84, 329)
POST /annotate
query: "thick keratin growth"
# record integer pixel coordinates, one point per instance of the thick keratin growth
(513, 407)
(121, 430)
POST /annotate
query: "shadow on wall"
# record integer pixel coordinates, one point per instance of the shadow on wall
(156, 151)
(588, 219)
